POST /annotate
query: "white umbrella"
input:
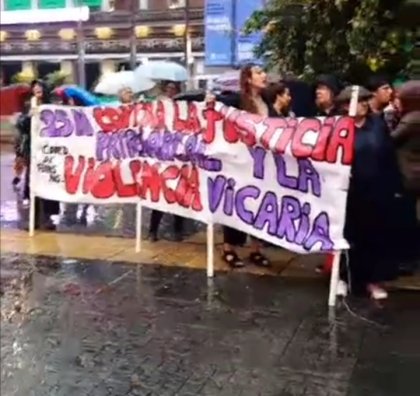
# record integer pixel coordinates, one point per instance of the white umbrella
(228, 81)
(162, 70)
(112, 83)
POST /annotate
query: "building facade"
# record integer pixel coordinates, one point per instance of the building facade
(42, 36)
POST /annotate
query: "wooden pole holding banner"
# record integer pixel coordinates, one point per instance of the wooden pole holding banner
(335, 270)
(138, 227)
(32, 197)
(32, 211)
(210, 250)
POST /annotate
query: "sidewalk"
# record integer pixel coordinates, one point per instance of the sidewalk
(7, 132)
(190, 253)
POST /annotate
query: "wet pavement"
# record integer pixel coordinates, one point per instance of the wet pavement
(93, 328)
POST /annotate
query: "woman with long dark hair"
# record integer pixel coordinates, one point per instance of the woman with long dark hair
(44, 208)
(253, 81)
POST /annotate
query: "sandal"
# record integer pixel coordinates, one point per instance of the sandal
(232, 259)
(259, 260)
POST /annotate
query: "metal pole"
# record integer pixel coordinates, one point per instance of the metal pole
(187, 41)
(133, 39)
(81, 50)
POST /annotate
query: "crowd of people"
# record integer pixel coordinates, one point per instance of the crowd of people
(381, 221)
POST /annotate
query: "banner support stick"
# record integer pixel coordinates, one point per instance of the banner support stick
(210, 250)
(335, 270)
(32, 213)
(335, 278)
(138, 227)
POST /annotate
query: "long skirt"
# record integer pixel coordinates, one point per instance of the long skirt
(372, 229)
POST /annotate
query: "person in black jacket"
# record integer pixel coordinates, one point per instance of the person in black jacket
(44, 208)
(327, 87)
(372, 204)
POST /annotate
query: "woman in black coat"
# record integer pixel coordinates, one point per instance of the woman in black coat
(372, 204)
(44, 208)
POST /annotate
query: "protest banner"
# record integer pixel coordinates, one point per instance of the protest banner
(281, 180)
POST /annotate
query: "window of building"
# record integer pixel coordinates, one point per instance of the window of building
(176, 3)
(46, 4)
(14, 5)
(94, 5)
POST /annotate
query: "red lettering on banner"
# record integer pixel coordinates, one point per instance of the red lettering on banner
(190, 124)
(113, 118)
(212, 116)
(299, 148)
(146, 117)
(332, 135)
(103, 180)
(318, 153)
(342, 138)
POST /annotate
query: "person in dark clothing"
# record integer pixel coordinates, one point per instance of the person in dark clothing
(44, 208)
(372, 202)
(278, 95)
(381, 93)
(327, 87)
(170, 90)
(406, 137)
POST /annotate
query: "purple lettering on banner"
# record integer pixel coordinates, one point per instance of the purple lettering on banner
(229, 197)
(282, 178)
(308, 175)
(47, 117)
(57, 123)
(216, 188)
(167, 153)
(107, 146)
(102, 146)
(245, 193)
(153, 144)
(65, 126)
(289, 212)
(320, 233)
(134, 142)
(163, 145)
(82, 124)
(258, 155)
(267, 213)
(304, 225)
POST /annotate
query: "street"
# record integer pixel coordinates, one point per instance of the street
(83, 314)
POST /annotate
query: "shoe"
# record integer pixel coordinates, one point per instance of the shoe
(153, 237)
(377, 293)
(342, 289)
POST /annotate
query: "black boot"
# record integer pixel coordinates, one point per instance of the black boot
(155, 219)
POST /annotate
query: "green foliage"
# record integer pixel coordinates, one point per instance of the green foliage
(350, 38)
(23, 77)
(56, 78)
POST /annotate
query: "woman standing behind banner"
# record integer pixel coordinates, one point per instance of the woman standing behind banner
(253, 81)
(169, 90)
(278, 94)
(375, 185)
(44, 208)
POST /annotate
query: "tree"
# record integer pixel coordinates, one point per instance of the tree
(350, 38)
